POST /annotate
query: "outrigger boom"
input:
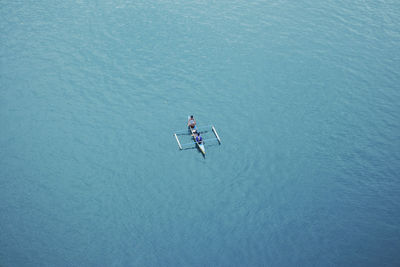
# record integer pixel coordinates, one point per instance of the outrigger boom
(199, 129)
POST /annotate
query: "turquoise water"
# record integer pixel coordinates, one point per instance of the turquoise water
(304, 94)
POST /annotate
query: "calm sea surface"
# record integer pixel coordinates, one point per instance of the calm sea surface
(304, 94)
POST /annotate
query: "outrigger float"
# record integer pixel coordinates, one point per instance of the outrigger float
(191, 131)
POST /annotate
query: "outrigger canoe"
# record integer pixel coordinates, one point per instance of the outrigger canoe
(190, 131)
(200, 146)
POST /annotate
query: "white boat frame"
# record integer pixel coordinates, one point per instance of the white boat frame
(200, 146)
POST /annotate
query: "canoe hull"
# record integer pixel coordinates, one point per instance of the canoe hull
(200, 146)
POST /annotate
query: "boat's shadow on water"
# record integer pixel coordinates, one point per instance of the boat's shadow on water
(198, 150)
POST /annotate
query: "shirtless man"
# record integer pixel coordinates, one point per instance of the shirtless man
(191, 122)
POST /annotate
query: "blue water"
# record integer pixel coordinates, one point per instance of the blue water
(304, 94)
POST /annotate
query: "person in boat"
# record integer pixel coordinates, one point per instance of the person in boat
(199, 139)
(192, 122)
